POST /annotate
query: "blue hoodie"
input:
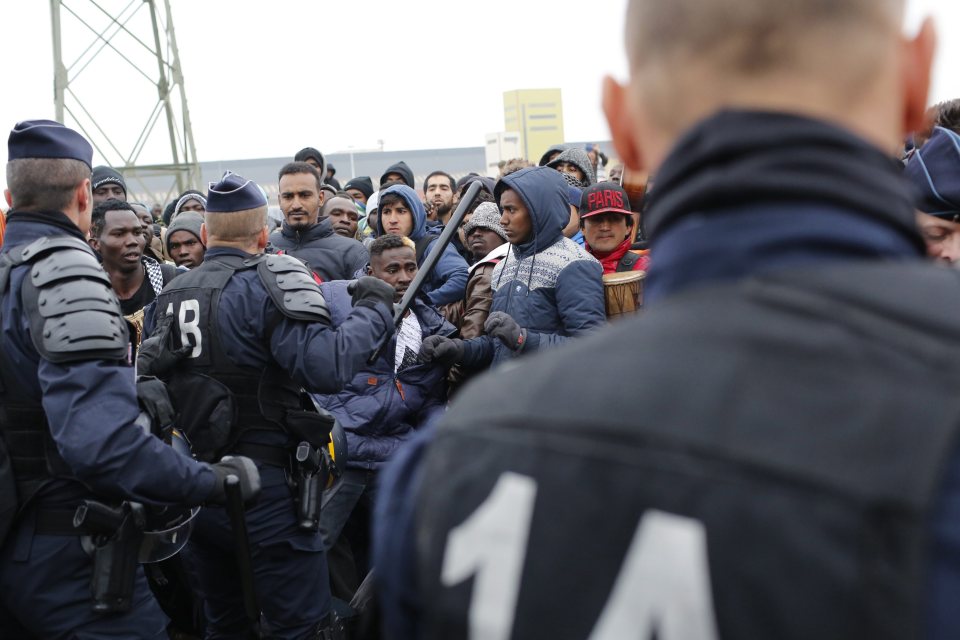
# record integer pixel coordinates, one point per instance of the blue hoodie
(549, 284)
(448, 280)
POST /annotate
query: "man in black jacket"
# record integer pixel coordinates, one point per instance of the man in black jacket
(329, 256)
(770, 451)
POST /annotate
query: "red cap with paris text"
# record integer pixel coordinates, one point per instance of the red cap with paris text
(604, 197)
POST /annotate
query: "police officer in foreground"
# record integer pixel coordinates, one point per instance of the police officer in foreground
(252, 332)
(770, 451)
(68, 406)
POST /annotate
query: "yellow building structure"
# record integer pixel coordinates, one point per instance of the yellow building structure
(537, 115)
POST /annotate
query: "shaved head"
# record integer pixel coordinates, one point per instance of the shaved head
(687, 52)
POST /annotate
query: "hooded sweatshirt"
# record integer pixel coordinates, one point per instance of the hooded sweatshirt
(549, 284)
(448, 280)
(580, 159)
(400, 168)
(330, 256)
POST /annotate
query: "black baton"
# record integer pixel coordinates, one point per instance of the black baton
(431, 260)
(241, 543)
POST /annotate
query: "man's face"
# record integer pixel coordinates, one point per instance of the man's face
(572, 169)
(357, 195)
(605, 231)
(616, 172)
(107, 191)
(553, 156)
(942, 238)
(156, 212)
(146, 219)
(343, 216)
(313, 162)
(300, 200)
(394, 177)
(396, 267)
(514, 217)
(482, 241)
(396, 218)
(192, 205)
(185, 249)
(122, 241)
(439, 194)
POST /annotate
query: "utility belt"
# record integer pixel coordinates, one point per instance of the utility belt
(308, 470)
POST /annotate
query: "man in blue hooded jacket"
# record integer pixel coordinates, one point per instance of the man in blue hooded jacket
(380, 409)
(401, 213)
(545, 291)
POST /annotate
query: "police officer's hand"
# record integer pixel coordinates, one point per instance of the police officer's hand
(501, 326)
(372, 289)
(245, 470)
(156, 356)
(155, 402)
(444, 351)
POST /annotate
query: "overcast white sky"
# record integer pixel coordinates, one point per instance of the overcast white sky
(267, 78)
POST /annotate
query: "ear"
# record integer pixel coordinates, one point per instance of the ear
(84, 197)
(203, 233)
(368, 269)
(263, 238)
(915, 76)
(8, 197)
(617, 110)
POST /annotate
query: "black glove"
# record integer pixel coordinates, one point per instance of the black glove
(444, 351)
(245, 470)
(156, 357)
(155, 402)
(373, 289)
(501, 326)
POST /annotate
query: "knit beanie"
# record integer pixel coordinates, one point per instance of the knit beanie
(105, 175)
(487, 216)
(363, 184)
(186, 221)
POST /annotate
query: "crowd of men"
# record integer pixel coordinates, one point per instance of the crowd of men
(403, 410)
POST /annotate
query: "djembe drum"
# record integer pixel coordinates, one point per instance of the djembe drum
(623, 292)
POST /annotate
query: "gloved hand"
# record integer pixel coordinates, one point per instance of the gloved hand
(443, 351)
(373, 289)
(501, 326)
(155, 402)
(242, 467)
(156, 357)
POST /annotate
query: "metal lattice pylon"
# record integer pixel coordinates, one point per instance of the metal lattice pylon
(105, 62)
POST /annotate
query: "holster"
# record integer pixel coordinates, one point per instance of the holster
(115, 536)
(310, 475)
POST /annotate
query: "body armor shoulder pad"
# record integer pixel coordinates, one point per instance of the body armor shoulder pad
(74, 313)
(292, 288)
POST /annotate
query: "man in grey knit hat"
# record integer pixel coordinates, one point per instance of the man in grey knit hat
(184, 243)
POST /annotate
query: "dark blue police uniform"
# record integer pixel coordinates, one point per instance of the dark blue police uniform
(67, 410)
(256, 332)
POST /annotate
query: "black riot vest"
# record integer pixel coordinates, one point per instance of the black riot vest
(756, 460)
(216, 400)
(74, 316)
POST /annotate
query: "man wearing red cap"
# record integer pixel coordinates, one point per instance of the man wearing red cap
(608, 228)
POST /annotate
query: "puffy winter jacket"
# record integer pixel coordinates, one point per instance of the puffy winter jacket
(330, 256)
(380, 408)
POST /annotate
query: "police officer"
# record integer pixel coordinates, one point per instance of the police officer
(68, 406)
(254, 331)
(771, 450)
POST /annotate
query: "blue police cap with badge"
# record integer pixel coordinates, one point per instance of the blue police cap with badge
(47, 139)
(934, 173)
(234, 193)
